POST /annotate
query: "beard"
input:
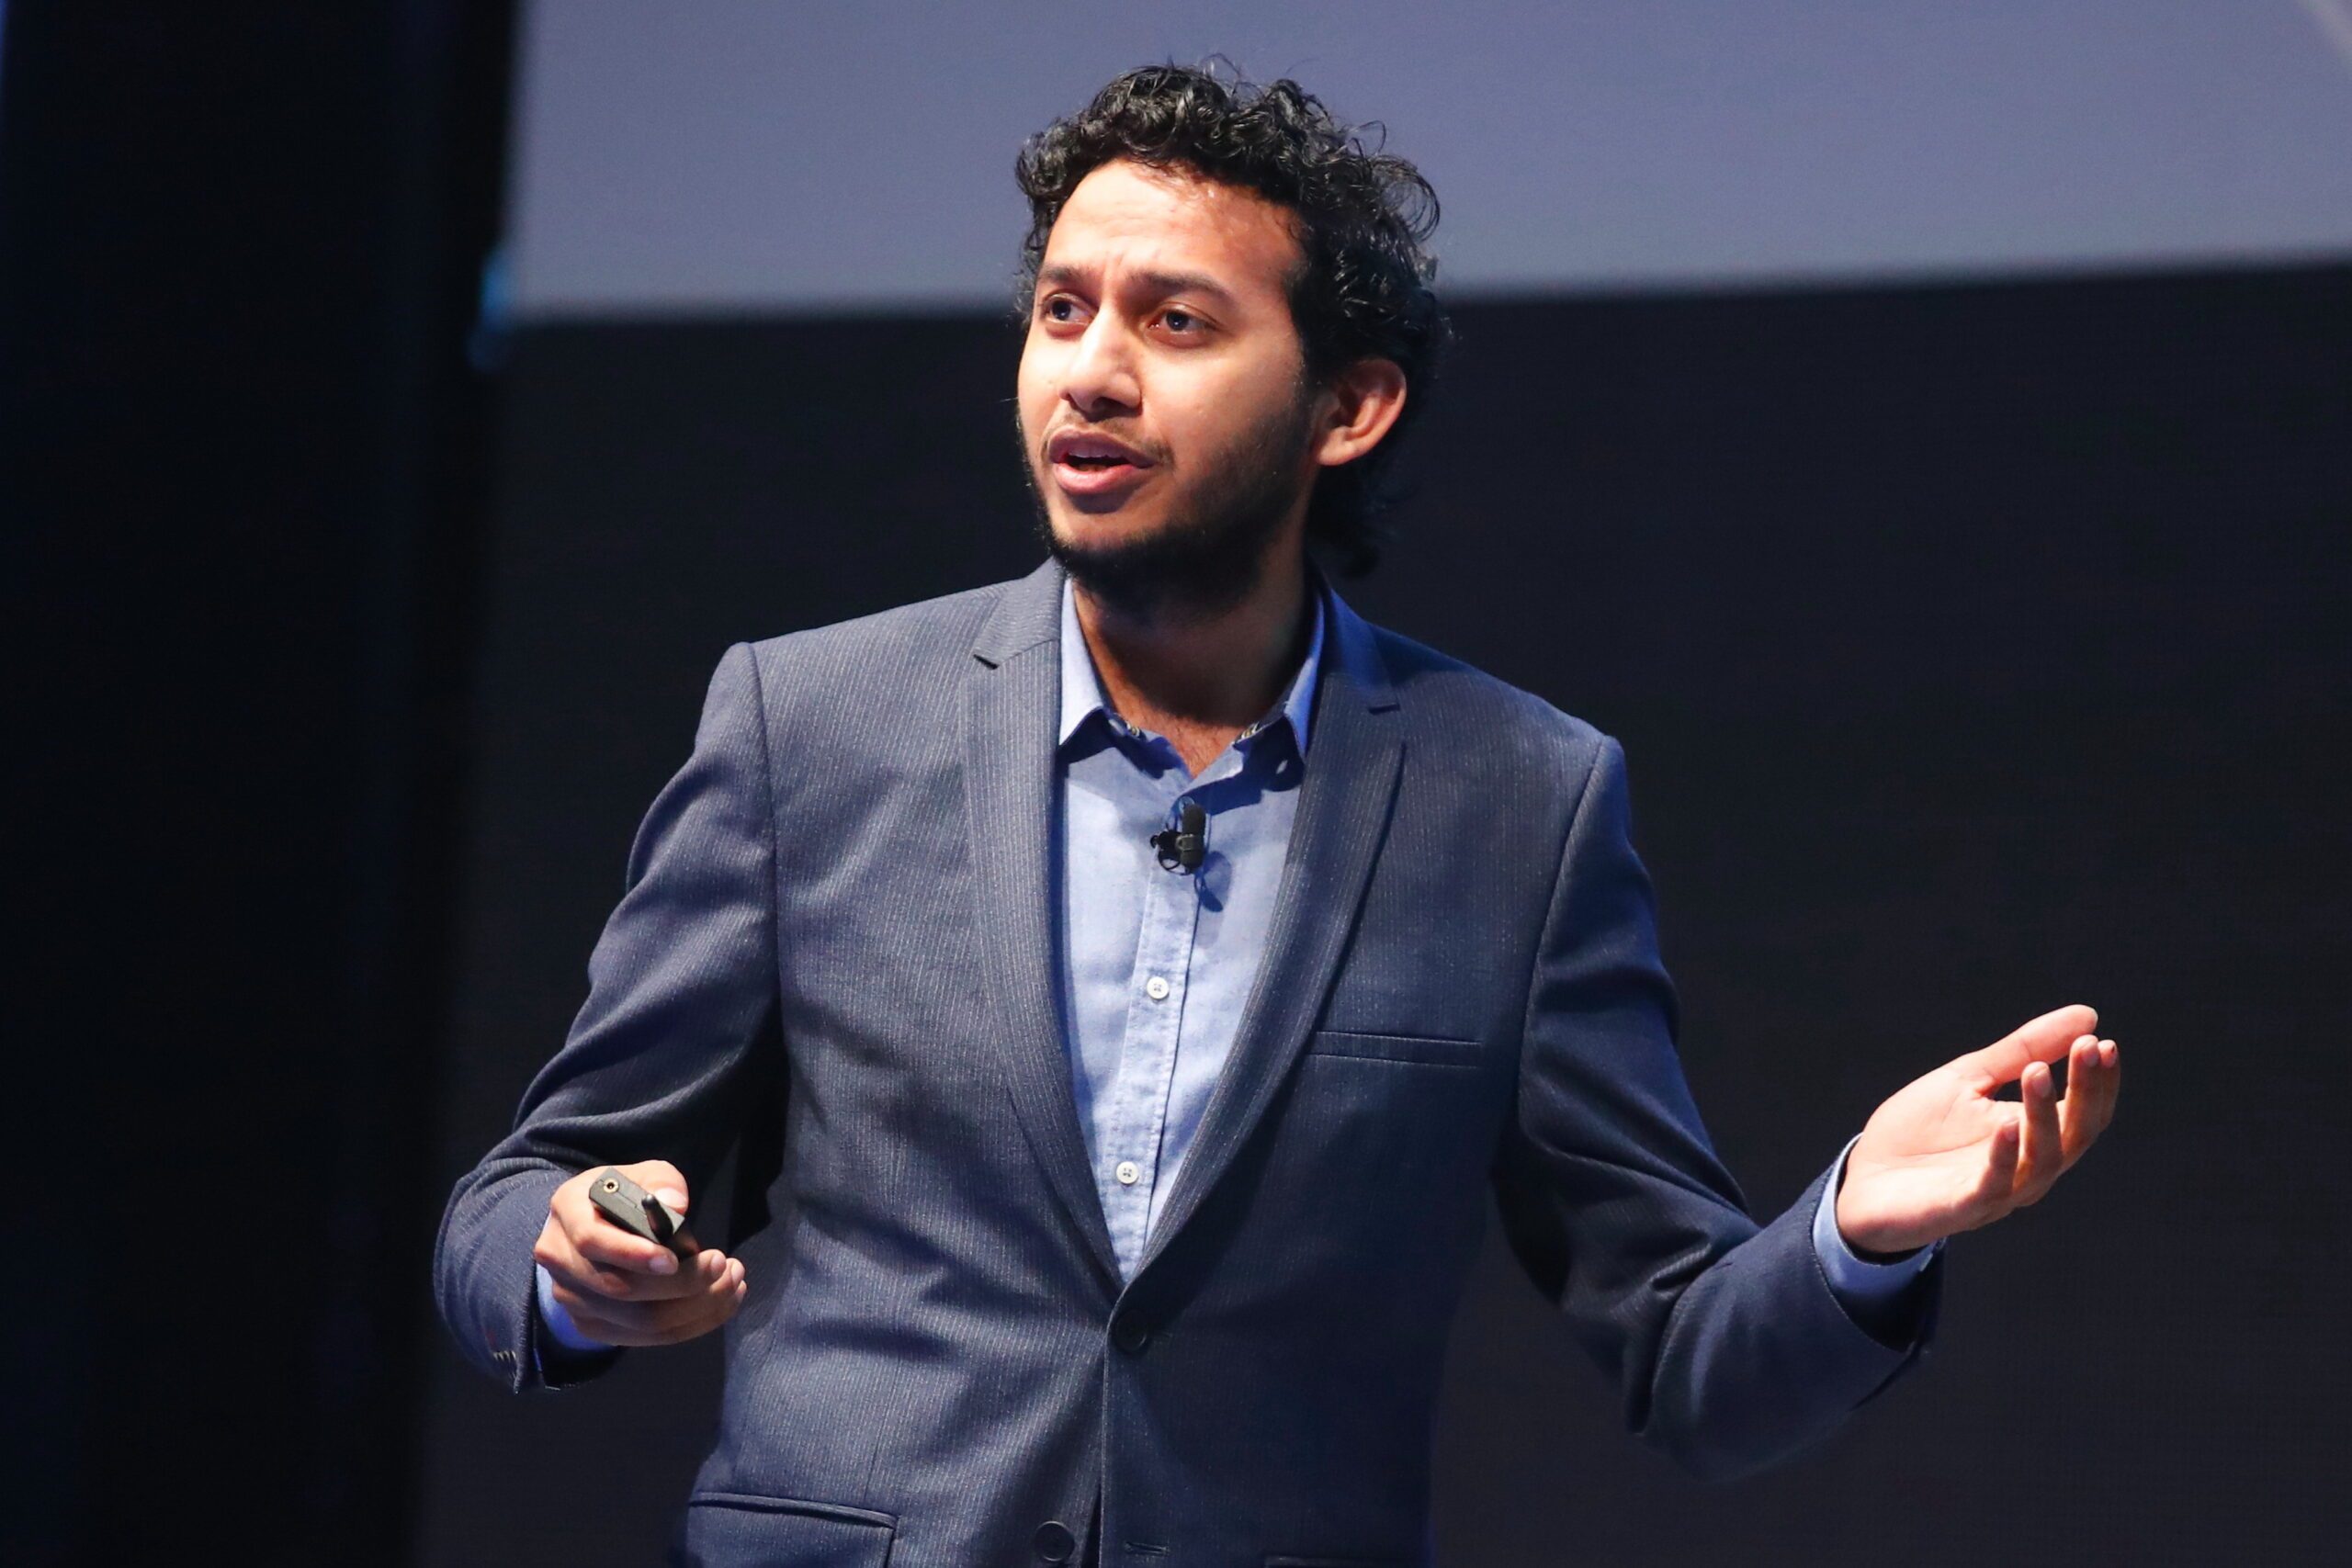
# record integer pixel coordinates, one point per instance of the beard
(1213, 553)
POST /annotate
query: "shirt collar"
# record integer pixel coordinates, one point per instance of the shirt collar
(1082, 686)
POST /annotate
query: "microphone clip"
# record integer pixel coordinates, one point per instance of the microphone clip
(1183, 847)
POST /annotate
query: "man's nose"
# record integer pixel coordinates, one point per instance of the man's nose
(1100, 374)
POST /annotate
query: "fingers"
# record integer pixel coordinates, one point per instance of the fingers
(623, 1283)
(622, 1289)
(2043, 1039)
(1995, 1188)
(2041, 1138)
(601, 1241)
(2056, 1132)
(2042, 1153)
(2094, 1078)
(596, 1238)
(720, 1289)
(584, 1247)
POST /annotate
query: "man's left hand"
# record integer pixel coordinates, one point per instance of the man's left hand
(1944, 1156)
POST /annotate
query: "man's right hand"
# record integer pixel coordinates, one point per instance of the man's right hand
(621, 1287)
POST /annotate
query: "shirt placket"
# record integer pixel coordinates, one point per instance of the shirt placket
(1147, 1059)
(1164, 948)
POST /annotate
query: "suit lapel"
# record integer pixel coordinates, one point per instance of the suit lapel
(1354, 755)
(1013, 694)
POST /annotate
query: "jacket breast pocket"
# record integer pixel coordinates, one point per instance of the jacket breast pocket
(1427, 1050)
(739, 1529)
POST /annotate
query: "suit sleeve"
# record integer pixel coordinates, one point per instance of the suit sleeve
(1725, 1341)
(674, 1045)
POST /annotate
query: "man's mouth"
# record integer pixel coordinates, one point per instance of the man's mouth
(1093, 465)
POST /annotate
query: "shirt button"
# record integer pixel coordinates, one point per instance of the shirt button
(1128, 1172)
(1156, 988)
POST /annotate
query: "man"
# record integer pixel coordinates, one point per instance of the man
(1126, 982)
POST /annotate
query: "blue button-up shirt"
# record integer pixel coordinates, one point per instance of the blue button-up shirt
(1157, 963)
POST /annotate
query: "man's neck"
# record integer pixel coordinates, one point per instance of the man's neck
(1201, 680)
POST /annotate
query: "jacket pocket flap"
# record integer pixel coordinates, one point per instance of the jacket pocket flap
(733, 1528)
(1433, 1049)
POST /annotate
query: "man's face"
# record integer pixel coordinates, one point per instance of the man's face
(1164, 420)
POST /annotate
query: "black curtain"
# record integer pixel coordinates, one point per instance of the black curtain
(246, 394)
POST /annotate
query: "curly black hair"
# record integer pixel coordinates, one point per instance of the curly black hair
(1362, 216)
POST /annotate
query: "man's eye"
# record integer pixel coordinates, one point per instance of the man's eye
(1053, 308)
(1179, 318)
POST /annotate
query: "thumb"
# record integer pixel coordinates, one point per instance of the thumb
(2043, 1039)
(662, 1179)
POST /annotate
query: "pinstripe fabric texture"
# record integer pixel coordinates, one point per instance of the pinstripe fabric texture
(837, 945)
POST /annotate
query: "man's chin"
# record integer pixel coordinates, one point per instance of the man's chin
(1157, 574)
(1113, 531)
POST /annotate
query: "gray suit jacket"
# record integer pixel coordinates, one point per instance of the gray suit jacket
(836, 947)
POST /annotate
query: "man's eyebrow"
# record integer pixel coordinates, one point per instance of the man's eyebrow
(1062, 274)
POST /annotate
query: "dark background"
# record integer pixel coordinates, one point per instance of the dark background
(1977, 649)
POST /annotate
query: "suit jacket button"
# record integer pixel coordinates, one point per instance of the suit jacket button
(1054, 1542)
(1130, 1335)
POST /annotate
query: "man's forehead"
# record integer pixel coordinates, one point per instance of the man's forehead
(1172, 222)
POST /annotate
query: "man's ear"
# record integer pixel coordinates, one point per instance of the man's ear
(1362, 403)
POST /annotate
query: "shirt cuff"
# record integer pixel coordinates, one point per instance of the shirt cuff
(558, 1322)
(1852, 1277)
